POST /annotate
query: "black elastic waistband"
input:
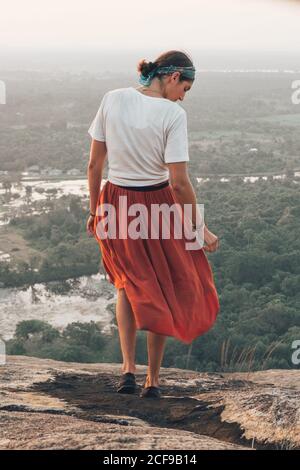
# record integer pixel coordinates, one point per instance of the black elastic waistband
(152, 187)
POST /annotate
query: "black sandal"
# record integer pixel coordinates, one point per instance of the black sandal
(127, 383)
(151, 392)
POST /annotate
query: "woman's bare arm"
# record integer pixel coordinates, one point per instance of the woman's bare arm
(184, 194)
(182, 187)
(98, 153)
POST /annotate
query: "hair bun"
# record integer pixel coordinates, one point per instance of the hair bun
(141, 65)
(145, 67)
(152, 66)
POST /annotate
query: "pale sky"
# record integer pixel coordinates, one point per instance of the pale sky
(156, 24)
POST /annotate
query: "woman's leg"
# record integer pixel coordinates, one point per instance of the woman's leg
(127, 331)
(156, 345)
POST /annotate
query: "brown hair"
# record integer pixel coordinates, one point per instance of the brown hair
(177, 58)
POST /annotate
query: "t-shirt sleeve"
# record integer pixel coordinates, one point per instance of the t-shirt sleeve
(177, 147)
(97, 128)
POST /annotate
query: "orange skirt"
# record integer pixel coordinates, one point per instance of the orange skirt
(171, 289)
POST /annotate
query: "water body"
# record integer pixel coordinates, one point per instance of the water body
(79, 187)
(58, 303)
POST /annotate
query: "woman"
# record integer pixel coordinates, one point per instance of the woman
(162, 287)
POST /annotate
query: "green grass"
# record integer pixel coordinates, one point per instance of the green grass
(283, 119)
(12, 242)
(194, 135)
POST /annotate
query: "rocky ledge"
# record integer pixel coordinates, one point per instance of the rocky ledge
(46, 404)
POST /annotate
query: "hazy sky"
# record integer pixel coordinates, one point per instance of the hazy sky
(156, 24)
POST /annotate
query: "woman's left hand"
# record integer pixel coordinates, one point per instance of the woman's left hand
(90, 225)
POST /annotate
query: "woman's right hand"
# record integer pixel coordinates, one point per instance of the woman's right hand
(211, 241)
(90, 226)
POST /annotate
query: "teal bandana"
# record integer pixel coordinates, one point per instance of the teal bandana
(187, 72)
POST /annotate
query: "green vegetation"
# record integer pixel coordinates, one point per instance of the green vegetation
(256, 269)
(47, 125)
(225, 348)
(60, 237)
(284, 119)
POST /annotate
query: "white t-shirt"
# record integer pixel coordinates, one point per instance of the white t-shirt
(142, 134)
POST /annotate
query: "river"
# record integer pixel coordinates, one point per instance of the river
(59, 303)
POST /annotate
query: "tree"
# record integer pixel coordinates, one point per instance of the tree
(28, 190)
(28, 328)
(7, 185)
(85, 334)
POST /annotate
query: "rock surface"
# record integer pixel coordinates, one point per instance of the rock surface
(46, 404)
